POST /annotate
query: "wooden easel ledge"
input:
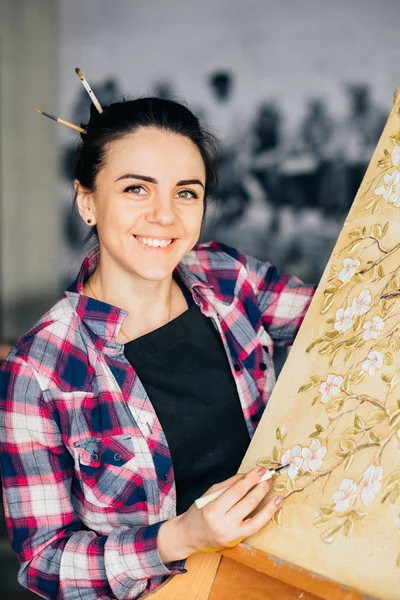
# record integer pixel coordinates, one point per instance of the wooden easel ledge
(245, 573)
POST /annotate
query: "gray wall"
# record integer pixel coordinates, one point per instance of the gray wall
(29, 225)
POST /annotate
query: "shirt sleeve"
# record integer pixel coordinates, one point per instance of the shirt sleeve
(59, 559)
(283, 300)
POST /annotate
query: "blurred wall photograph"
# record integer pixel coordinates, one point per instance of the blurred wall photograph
(297, 92)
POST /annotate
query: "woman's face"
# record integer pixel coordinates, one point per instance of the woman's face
(148, 202)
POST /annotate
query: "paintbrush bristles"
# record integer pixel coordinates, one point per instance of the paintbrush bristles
(45, 114)
(61, 121)
(89, 90)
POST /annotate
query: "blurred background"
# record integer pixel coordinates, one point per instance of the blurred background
(298, 92)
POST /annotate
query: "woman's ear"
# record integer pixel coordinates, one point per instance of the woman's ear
(85, 203)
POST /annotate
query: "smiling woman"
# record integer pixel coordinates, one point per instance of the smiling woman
(144, 229)
(144, 192)
(142, 387)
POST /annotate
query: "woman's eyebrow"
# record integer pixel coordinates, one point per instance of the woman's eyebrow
(134, 176)
(152, 180)
(190, 182)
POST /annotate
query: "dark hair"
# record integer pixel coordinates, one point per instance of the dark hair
(122, 118)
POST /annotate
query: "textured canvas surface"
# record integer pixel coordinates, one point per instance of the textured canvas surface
(335, 411)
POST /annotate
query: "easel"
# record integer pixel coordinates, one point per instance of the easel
(245, 572)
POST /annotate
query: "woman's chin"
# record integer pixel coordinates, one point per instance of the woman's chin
(154, 272)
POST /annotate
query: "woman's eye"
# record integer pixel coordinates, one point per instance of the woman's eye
(138, 190)
(187, 194)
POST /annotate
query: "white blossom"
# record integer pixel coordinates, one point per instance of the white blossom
(344, 319)
(293, 458)
(391, 188)
(361, 304)
(374, 361)
(342, 497)
(312, 456)
(330, 387)
(349, 269)
(373, 328)
(396, 156)
(371, 484)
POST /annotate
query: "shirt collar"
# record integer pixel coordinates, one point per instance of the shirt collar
(105, 320)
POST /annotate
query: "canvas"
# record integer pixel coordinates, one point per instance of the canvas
(334, 415)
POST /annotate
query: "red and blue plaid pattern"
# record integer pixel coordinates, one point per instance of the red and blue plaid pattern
(87, 473)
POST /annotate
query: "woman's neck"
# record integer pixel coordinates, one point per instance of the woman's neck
(150, 304)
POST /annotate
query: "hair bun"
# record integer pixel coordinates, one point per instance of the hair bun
(94, 115)
(93, 111)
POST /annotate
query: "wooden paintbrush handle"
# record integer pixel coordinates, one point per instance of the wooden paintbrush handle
(204, 500)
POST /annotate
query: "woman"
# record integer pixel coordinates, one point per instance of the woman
(143, 385)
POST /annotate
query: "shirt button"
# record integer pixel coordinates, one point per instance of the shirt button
(263, 366)
(95, 456)
(236, 366)
(117, 457)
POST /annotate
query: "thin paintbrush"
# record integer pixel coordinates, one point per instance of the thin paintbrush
(89, 90)
(200, 502)
(66, 123)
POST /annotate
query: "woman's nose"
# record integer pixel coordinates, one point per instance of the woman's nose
(162, 212)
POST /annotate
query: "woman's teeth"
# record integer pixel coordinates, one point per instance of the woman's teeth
(153, 242)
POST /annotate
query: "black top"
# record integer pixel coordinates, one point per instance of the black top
(186, 374)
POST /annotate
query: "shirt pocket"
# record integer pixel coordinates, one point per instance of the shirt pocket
(108, 472)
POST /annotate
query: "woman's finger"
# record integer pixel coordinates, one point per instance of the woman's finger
(254, 524)
(249, 502)
(225, 483)
(237, 490)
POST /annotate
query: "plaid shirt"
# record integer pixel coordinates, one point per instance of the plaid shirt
(87, 473)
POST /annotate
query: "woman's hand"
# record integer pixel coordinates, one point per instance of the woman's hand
(222, 522)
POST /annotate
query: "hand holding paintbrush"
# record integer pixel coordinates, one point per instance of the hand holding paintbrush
(224, 522)
(204, 500)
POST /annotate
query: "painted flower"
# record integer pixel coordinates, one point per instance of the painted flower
(342, 497)
(343, 319)
(349, 269)
(293, 458)
(312, 456)
(371, 484)
(391, 188)
(374, 361)
(373, 328)
(330, 387)
(361, 304)
(396, 156)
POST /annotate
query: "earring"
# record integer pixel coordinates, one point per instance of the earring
(89, 220)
